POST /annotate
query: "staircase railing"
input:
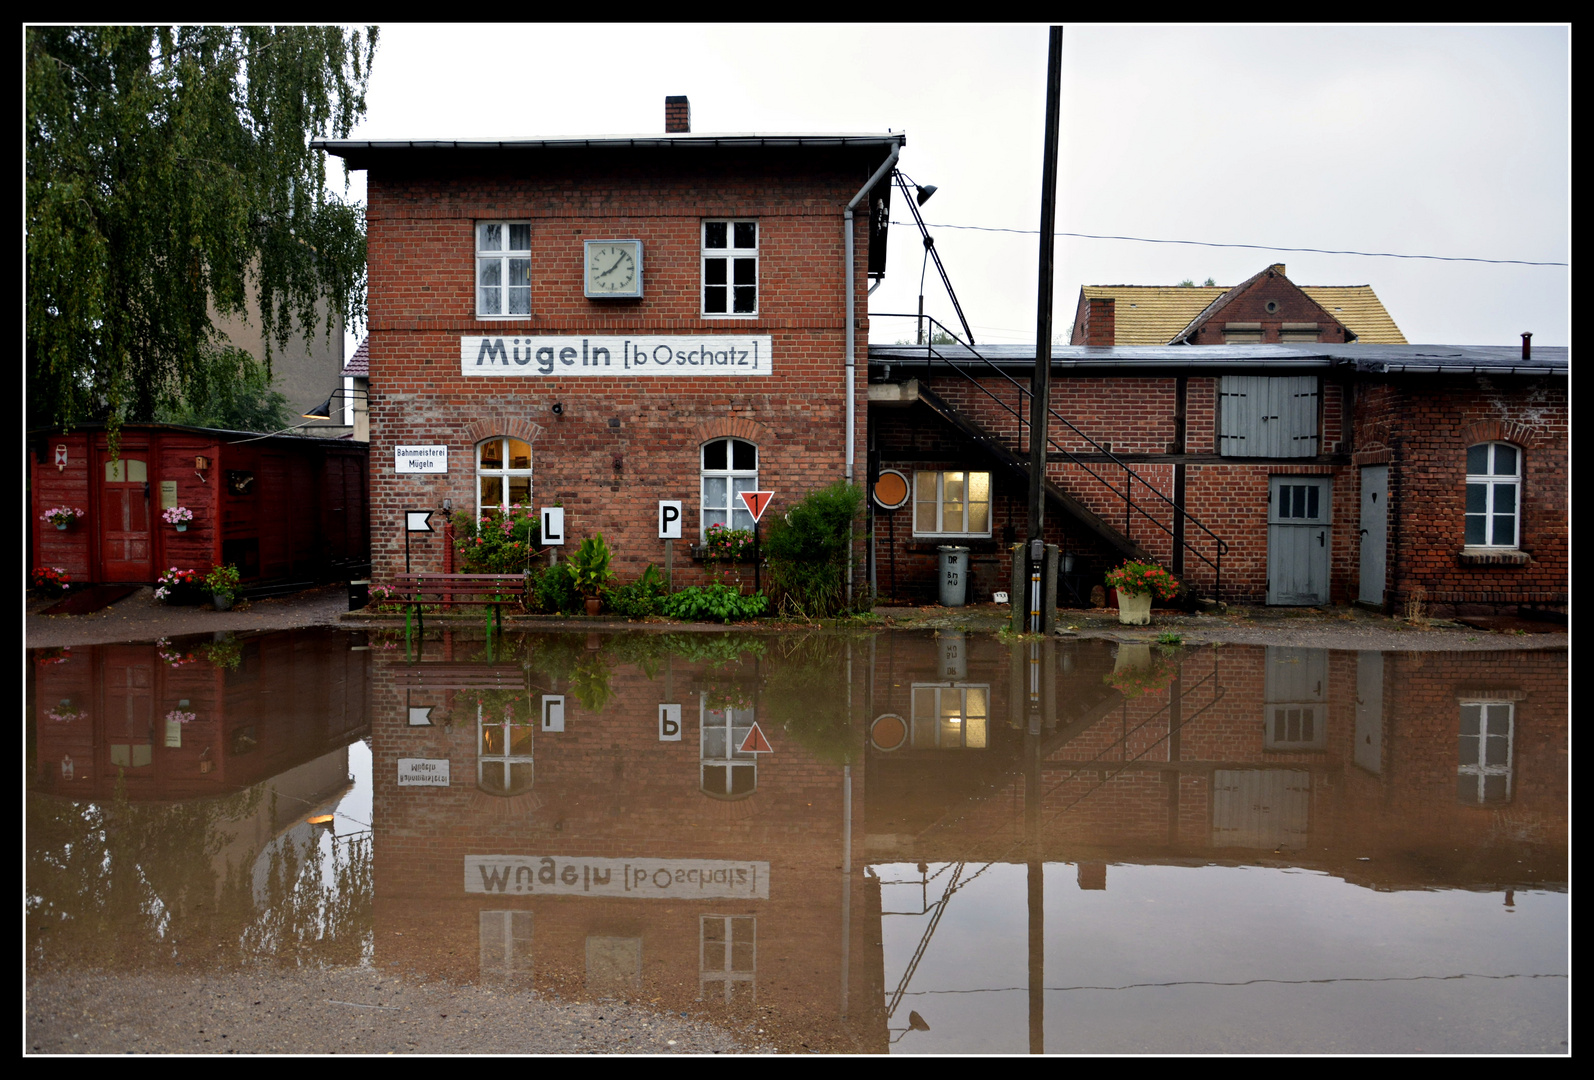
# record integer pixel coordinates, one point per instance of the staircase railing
(1021, 413)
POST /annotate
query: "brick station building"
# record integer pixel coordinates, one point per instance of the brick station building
(605, 323)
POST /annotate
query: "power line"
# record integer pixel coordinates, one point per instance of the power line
(1253, 247)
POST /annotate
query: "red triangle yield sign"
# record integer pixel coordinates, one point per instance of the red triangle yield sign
(755, 743)
(756, 502)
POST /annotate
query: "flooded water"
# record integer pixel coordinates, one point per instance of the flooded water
(884, 843)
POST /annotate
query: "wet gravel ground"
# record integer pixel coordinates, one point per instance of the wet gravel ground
(339, 1011)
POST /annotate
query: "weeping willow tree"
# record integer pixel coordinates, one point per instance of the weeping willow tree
(169, 174)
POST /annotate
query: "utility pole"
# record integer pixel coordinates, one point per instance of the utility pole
(1041, 379)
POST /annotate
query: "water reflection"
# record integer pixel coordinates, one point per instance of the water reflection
(883, 843)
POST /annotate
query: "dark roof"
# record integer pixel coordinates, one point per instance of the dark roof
(1371, 359)
(359, 365)
(357, 152)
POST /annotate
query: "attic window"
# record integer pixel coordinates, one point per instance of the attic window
(1272, 307)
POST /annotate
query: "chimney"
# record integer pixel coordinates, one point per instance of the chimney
(677, 115)
(1100, 321)
(1527, 345)
(1278, 268)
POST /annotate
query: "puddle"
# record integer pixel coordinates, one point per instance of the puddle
(886, 843)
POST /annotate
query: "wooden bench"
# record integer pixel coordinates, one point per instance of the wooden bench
(474, 590)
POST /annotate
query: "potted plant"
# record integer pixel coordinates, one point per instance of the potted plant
(61, 516)
(1136, 583)
(177, 586)
(590, 566)
(179, 516)
(222, 581)
(51, 580)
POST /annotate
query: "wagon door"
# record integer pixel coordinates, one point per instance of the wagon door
(126, 551)
(1297, 540)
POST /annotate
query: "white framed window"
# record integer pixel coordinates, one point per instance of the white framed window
(725, 772)
(1494, 490)
(730, 467)
(1484, 774)
(727, 957)
(503, 269)
(730, 268)
(950, 716)
(503, 475)
(504, 761)
(951, 503)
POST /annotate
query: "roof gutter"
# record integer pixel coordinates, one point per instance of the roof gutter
(852, 325)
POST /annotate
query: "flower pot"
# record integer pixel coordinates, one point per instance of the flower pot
(223, 601)
(182, 526)
(61, 525)
(593, 605)
(1134, 609)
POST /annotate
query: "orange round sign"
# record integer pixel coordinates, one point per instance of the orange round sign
(888, 731)
(891, 490)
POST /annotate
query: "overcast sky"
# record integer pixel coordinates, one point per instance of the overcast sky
(1411, 140)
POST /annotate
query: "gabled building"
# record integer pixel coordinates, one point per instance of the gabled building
(1266, 308)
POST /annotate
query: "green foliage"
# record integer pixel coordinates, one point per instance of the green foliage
(555, 589)
(807, 551)
(805, 695)
(589, 682)
(1169, 637)
(637, 599)
(169, 175)
(229, 389)
(222, 580)
(500, 544)
(591, 565)
(717, 602)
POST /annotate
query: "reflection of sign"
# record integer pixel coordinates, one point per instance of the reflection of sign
(755, 743)
(420, 459)
(420, 715)
(553, 526)
(423, 772)
(417, 521)
(669, 723)
(757, 502)
(888, 731)
(553, 712)
(669, 520)
(665, 879)
(619, 359)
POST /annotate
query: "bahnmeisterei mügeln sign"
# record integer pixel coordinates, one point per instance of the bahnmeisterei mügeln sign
(719, 355)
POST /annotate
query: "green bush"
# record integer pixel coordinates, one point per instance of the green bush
(591, 565)
(500, 544)
(638, 599)
(807, 551)
(708, 603)
(555, 589)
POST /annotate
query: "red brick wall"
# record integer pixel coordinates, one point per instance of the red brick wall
(615, 451)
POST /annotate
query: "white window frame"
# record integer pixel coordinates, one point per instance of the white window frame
(503, 475)
(1472, 777)
(1492, 484)
(502, 260)
(737, 516)
(943, 719)
(502, 756)
(735, 723)
(939, 499)
(724, 263)
(729, 977)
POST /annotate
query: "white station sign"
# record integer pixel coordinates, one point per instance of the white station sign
(617, 358)
(420, 459)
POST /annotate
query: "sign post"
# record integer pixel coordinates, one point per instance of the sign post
(757, 502)
(669, 532)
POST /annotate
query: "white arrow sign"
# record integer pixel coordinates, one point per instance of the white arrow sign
(417, 521)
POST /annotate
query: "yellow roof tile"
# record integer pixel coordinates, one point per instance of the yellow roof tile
(1359, 308)
(1153, 314)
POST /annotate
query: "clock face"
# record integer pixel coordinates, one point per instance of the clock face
(613, 268)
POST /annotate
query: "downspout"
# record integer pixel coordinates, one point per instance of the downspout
(852, 363)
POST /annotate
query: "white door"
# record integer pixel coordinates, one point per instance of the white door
(1374, 532)
(1298, 540)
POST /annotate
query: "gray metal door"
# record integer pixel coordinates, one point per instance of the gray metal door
(1370, 711)
(1298, 540)
(1374, 532)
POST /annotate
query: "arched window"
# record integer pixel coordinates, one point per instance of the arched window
(503, 475)
(725, 772)
(730, 467)
(1494, 495)
(504, 761)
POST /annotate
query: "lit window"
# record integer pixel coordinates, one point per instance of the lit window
(1484, 775)
(504, 759)
(730, 268)
(503, 475)
(727, 956)
(503, 268)
(730, 467)
(951, 504)
(950, 717)
(1494, 487)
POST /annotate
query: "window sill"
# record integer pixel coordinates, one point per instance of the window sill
(1493, 557)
